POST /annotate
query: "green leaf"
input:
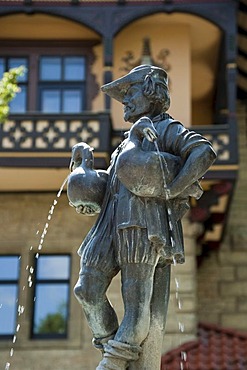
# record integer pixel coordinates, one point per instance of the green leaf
(8, 90)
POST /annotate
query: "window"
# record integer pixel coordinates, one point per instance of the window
(9, 276)
(62, 84)
(51, 297)
(59, 78)
(19, 103)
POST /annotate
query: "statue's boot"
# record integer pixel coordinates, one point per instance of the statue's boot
(117, 355)
(99, 343)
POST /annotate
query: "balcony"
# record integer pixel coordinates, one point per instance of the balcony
(45, 140)
(225, 142)
(35, 152)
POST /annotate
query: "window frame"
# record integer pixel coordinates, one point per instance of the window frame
(21, 83)
(77, 325)
(61, 88)
(62, 84)
(40, 281)
(15, 282)
(33, 50)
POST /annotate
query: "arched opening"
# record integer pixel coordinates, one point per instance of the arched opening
(44, 27)
(191, 48)
(59, 56)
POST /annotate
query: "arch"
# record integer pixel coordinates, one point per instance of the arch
(200, 27)
(193, 44)
(58, 13)
(42, 33)
(220, 17)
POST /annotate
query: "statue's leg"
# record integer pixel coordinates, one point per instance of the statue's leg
(150, 359)
(138, 259)
(90, 291)
(137, 288)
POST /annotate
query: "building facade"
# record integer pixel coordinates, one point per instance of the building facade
(69, 49)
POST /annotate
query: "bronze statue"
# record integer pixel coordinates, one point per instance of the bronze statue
(138, 231)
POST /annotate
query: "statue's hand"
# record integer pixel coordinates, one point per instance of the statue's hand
(84, 210)
(81, 209)
(194, 190)
(147, 128)
(170, 194)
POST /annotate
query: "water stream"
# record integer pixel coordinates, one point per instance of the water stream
(44, 233)
(21, 308)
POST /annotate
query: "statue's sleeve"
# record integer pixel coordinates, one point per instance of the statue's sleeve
(180, 141)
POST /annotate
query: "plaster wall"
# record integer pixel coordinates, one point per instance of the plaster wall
(44, 27)
(193, 45)
(174, 38)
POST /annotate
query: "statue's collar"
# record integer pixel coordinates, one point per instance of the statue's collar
(156, 119)
(161, 117)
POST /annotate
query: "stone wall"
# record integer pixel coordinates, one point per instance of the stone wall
(23, 218)
(222, 277)
(217, 292)
(182, 320)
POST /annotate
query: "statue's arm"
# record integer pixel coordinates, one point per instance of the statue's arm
(197, 163)
(197, 155)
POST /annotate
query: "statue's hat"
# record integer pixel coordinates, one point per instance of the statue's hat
(117, 89)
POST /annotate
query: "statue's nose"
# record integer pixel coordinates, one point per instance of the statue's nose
(125, 100)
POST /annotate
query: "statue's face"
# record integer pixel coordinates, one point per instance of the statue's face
(136, 105)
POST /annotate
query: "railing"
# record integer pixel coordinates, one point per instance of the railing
(225, 143)
(224, 140)
(222, 137)
(46, 139)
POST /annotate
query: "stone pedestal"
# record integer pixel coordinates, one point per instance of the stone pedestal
(152, 346)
